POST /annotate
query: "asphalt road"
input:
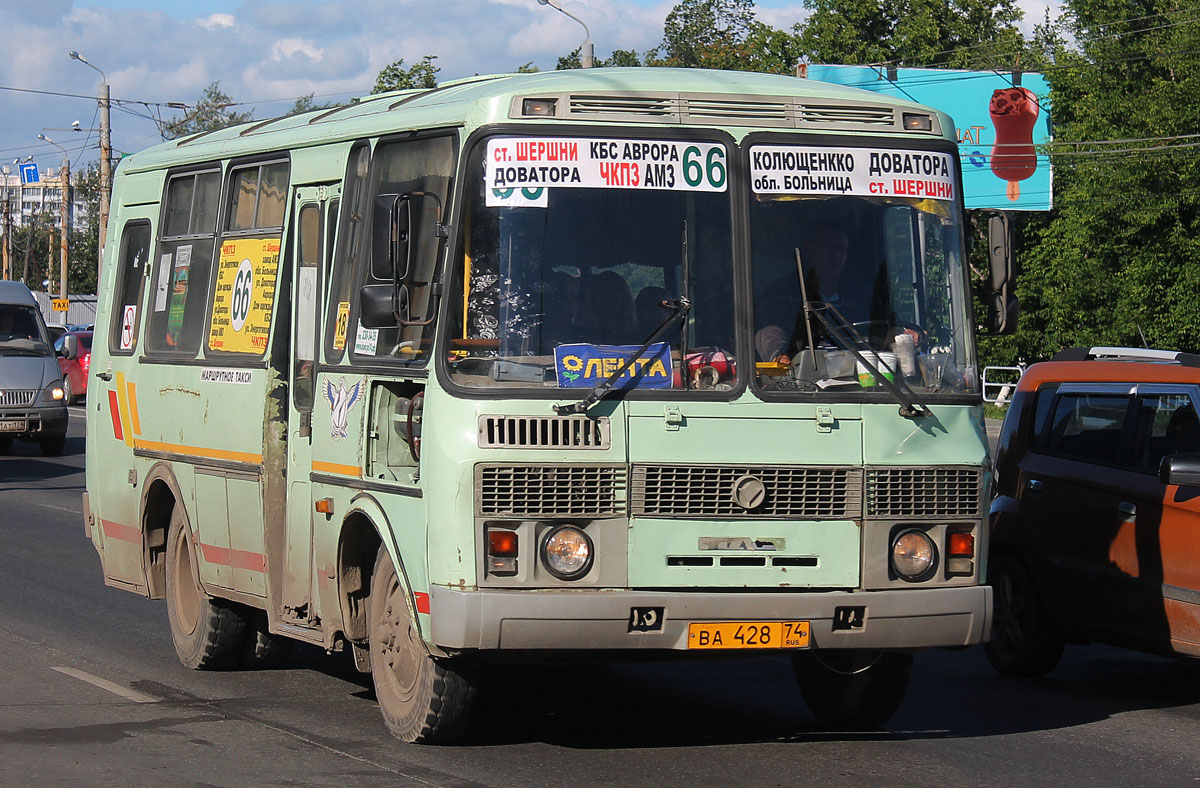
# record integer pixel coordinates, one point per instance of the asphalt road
(91, 695)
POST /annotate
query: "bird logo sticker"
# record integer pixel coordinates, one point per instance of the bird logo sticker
(341, 399)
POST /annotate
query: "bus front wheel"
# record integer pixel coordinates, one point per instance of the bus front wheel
(208, 633)
(422, 699)
(852, 688)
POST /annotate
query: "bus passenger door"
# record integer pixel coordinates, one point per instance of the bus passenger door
(315, 211)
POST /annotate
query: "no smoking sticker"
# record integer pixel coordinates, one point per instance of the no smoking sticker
(128, 315)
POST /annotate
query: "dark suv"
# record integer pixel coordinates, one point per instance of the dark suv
(1095, 527)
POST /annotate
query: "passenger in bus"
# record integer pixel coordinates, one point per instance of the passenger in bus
(607, 315)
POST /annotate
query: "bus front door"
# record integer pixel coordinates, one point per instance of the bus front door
(315, 210)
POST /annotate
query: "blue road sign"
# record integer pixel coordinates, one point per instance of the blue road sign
(29, 173)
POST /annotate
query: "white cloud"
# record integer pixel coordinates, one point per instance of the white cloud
(215, 21)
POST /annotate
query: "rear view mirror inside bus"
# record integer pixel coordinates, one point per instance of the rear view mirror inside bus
(390, 235)
(383, 306)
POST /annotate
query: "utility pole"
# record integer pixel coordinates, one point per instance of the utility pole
(105, 157)
(7, 228)
(66, 208)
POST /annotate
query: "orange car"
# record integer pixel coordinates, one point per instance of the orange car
(1095, 527)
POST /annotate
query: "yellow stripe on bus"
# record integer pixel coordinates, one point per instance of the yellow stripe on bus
(123, 407)
(200, 451)
(333, 467)
(133, 409)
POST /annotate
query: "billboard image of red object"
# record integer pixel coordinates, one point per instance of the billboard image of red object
(1014, 111)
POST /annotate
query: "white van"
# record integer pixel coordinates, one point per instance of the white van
(32, 404)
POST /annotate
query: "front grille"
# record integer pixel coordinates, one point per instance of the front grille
(758, 113)
(809, 493)
(904, 493)
(550, 490)
(17, 398)
(661, 107)
(544, 432)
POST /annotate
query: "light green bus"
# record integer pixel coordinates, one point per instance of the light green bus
(541, 366)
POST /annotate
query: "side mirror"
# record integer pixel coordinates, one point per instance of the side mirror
(1180, 469)
(1000, 257)
(70, 347)
(390, 248)
(1003, 306)
(1002, 312)
(383, 306)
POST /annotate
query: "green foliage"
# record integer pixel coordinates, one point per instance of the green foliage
(397, 77)
(1118, 260)
(528, 68)
(306, 103)
(945, 33)
(213, 111)
(620, 57)
(723, 34)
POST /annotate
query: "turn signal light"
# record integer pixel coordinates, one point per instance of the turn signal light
(960, 545)
(502, 542)
(325, 506)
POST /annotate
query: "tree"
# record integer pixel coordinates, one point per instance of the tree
(527, 68)
(305, 104)
(83, 256)
(1119, 257)
(704, 33)
(620, 57)
(397, 77)
(941, 33)
(213, 111)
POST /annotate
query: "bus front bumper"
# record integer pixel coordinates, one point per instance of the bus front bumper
(586, 620)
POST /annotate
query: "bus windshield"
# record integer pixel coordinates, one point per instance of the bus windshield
(872, 240)
(558, 285)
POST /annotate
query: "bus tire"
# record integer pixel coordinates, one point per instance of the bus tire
(852, 688)
(1025, 641)
(422, 699)
(207, 633)
(262, 648)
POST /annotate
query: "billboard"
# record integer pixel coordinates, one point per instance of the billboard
(998, 125)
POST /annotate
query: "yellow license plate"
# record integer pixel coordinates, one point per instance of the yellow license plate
(749, 634)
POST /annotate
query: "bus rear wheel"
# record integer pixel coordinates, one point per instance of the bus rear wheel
(852, 688)
(422, 699)
(208, 634)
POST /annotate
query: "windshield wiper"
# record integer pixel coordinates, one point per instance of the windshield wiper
(679, 308)
(911, 406)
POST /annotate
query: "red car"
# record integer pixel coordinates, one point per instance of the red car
(74, 350)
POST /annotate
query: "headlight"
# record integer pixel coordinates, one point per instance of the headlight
(53, 392)
(567, 552)
(913, 554)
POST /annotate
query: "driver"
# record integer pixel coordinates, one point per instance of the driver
(823, 252)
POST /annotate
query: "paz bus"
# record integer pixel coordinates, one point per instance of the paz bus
(490, 370)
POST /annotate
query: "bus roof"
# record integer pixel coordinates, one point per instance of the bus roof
(652, 96)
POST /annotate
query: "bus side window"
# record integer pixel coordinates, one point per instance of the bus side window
(179, 287)
(308, 294)
(127, 298)
(247, 267)
(351, 229)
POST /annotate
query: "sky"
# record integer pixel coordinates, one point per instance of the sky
(268, 52)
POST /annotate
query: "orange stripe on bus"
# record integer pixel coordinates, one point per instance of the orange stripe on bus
(122, 533)
(200, 451)
(123, 401)
(115, 412)
(237, 559)
(333, 467)
(133, 408)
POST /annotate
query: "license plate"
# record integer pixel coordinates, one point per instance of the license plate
(11, 425)
(749, 634)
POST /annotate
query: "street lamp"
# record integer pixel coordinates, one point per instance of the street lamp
(586, 57)
(105, 155)
(66, 203)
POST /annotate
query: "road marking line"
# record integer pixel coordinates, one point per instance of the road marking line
(105, 684)
(52, 506)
